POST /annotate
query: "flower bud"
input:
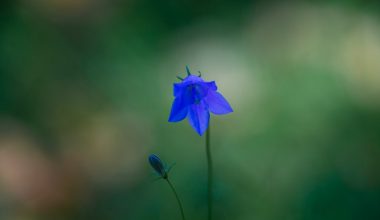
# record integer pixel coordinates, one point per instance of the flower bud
(158, 166)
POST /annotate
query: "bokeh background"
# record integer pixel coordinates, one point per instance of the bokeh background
(86, 89)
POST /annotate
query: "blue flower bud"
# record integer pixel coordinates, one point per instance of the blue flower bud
(158, 166)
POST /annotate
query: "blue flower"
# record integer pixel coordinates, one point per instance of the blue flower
(158, 166)
(195, 99)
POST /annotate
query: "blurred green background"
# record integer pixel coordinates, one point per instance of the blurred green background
(86, 90)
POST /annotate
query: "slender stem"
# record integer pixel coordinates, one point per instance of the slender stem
(209, 174)
(177, 197)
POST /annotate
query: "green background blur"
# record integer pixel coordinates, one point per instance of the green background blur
(86, 90)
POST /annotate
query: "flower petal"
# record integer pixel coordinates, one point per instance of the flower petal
(179, 110)
(217, 104)
(178, 89)
(211, 85)
(193, 79)
(199, 117)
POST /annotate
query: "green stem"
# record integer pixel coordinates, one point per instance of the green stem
(209, 174)
(177, 197)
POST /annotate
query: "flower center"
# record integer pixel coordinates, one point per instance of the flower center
(196, 92)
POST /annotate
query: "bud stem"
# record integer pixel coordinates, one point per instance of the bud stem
(177, 197)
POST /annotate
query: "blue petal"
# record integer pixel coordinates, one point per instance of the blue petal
(179, 110)
(199, 117)
(211, 85)
(178, 89)
(217, 104)
(193, 79)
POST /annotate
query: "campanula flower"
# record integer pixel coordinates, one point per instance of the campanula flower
(158, 166)
(195, 99)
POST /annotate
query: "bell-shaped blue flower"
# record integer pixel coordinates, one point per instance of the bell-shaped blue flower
(195, 99)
